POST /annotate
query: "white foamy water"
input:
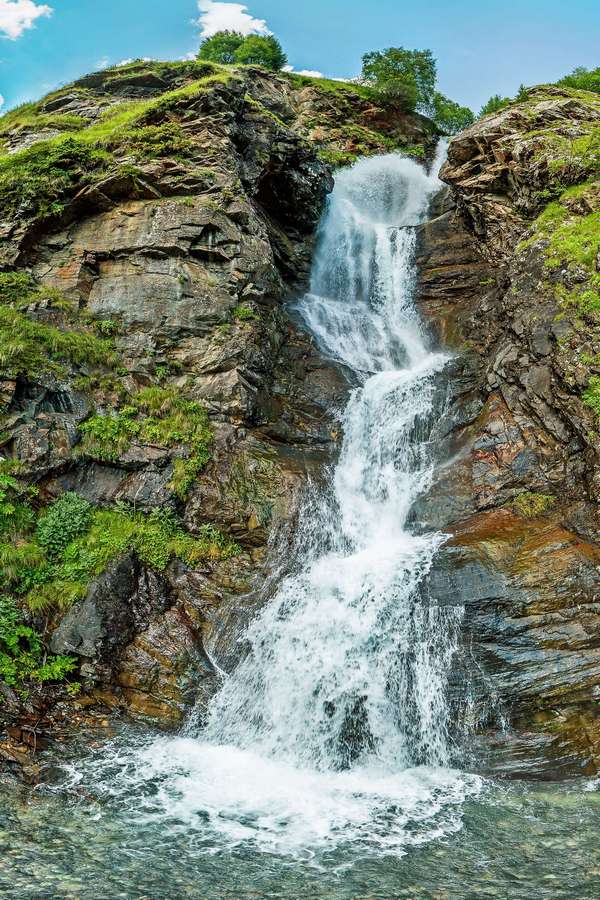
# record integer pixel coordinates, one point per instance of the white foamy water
(334, 729)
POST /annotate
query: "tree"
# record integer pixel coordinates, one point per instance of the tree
(583, 79)
(449, 116)
(408, 75)
(494, 104)
(221, 47)
(261, 51)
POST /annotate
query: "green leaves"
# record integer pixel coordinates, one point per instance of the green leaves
(157, 416)
(227, 47)
(406, 77)
(67, 518)
(22, 656)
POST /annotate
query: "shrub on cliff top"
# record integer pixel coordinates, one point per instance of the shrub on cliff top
(583, 79)
(221, 47)
(228, 47)
(259, 50)
(405, 77)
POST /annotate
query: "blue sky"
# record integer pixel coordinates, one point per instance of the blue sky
(482, 47)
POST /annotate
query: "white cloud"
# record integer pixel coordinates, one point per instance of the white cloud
(132, 59)
(102, 63)
(18, 15)
(1, 101)
(219, 16)
(311, 73)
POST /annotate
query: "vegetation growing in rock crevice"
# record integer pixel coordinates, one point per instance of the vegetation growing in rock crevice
(157, 416)
(23, 659)
(31, 347)
(530, 504)
(49, 558)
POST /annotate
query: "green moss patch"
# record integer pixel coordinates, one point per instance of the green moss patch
(530, 505)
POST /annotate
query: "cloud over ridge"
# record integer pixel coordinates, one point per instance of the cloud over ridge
(216, 15)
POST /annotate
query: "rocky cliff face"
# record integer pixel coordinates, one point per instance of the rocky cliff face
(510, 278)
(154, 218)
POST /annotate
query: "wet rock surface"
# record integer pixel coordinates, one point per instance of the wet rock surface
(515, 489)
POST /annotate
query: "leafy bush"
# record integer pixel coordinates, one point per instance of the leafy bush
(228, 47)
(22, 655)
(106, 437)
(245, 313)
(66, 519)
(449, 117)
(156, 537)
(406, 77)
(259, 50)
(16, 515)
(221, 47)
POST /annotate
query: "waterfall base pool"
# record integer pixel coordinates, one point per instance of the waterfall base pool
(515, 842)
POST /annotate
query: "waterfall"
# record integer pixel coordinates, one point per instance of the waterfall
(334, 727)
(344, 662)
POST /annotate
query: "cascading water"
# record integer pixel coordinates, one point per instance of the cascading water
(334, 728)
(345, 664)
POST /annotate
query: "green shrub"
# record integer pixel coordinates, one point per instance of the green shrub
(245, 313)
(156, 537)
(106, 437)
(261, 50)
(221, 47)
(66, 519)
(591, 395)
(16, 514)
(583, 79)
(23, 658)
